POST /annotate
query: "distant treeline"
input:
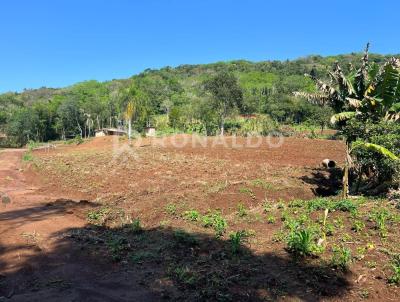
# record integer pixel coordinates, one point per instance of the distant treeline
(177, 94)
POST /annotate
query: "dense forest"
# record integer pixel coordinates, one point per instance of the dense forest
(174, 99)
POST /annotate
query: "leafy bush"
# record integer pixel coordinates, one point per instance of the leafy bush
(374, 168)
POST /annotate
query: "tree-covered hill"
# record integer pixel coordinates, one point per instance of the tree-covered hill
(267, 87)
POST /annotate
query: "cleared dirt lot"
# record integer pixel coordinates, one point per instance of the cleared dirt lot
(71, 229)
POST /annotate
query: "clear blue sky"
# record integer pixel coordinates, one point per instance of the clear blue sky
(56, 43)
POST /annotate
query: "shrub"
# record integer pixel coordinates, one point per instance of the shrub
(374, 168)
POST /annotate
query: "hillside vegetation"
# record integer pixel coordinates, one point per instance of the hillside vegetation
(170, 98)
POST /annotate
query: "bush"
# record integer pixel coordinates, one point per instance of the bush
(374, 168)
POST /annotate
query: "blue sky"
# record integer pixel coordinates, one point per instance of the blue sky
(59, 42)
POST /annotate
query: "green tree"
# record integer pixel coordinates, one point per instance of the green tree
(226, 95)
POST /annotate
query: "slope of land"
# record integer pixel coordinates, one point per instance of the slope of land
(147, 221)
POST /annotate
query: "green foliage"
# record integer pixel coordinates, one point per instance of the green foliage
(341, 257)
(301, 242)
(358, 226)
(226, 95)
(171, 209)
(28, 156)
(135, 226)
(236, 239)
(98, 216)
(395, 277)
(380, 217)
(190, 98)
(242, 211)
(191, 215)
(216, 221)
(117, 246)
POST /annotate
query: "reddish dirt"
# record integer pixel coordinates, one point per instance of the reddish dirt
(50, 251)
(31, 226)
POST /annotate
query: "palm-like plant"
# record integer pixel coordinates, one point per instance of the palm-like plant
(369, 93)
(371, 90)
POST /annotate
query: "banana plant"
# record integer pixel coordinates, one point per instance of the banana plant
(370, 92)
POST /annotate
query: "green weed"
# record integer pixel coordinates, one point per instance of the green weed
(242, 211)
(191, 215)
(236, 239)
(341, 257)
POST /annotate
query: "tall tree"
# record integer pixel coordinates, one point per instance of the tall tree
(226, 95)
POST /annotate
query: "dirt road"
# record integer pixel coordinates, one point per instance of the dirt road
(36, 262)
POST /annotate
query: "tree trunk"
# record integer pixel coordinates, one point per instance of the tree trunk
(129, 129)
(222, 127)
(345, 193)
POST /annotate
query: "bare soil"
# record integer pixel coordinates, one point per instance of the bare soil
(68, 232)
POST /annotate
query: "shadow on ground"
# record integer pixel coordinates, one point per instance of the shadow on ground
(99, 263)
(328, 182)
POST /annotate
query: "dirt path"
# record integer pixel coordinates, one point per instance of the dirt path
(36, 262)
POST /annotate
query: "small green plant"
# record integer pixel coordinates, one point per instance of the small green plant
(183, 275)
(98, 217)
(191, 215)
(117, 246)
(345, 205)
(379, 218)
(78, 140)
(395, 277)
(242, 211)
(216, 221)
(301, 243)
(271, 219)
(236, 239)
(279, 236)
(296, 203)
(141, 256)
(358, 226)
(27, 156)
(248, 191)
(266, 206)
(171, 209)
(260, 183)
(341, 257)
(135, 226)
(346, 237)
